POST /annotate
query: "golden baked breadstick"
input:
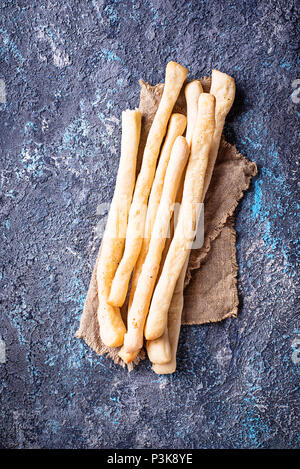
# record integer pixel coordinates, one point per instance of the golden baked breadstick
(127, 357)
(133, 339)
(175, 76)
(176, 127)
(159, 350)
(223, 88)
(187, 220)
(112, 328)
(192, 92)
(177, 124)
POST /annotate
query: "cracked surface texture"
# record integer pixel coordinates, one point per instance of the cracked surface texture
(68, 69)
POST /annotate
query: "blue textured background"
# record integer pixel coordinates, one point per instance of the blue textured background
(69, 70)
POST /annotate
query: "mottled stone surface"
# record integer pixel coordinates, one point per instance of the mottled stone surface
(68, 69)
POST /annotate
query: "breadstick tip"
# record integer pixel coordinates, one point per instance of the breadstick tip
(135, 112)
(180, 140)
(193, 88)
(206, 105)
(112, 328)
(175, 69)
(159, 350)
(223, 88)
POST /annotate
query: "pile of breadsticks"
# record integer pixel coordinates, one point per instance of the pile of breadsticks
(138, 257)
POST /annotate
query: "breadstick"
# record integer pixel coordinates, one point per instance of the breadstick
(176, 127)
(187, 220)
(175, 76)
(112, 328)
(192, 92)
(133, 339)
(223, 88)
(128, 357)
(159, 350)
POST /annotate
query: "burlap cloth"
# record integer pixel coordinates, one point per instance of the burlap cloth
(210, 293)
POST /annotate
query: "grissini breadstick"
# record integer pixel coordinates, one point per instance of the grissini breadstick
(165, 350)
(223, 88)
(175, 76)
(187, 220)
(159, 350)
(176, 127)
(128, 357)
(192, 92)
(112, 328)
(133, 339)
